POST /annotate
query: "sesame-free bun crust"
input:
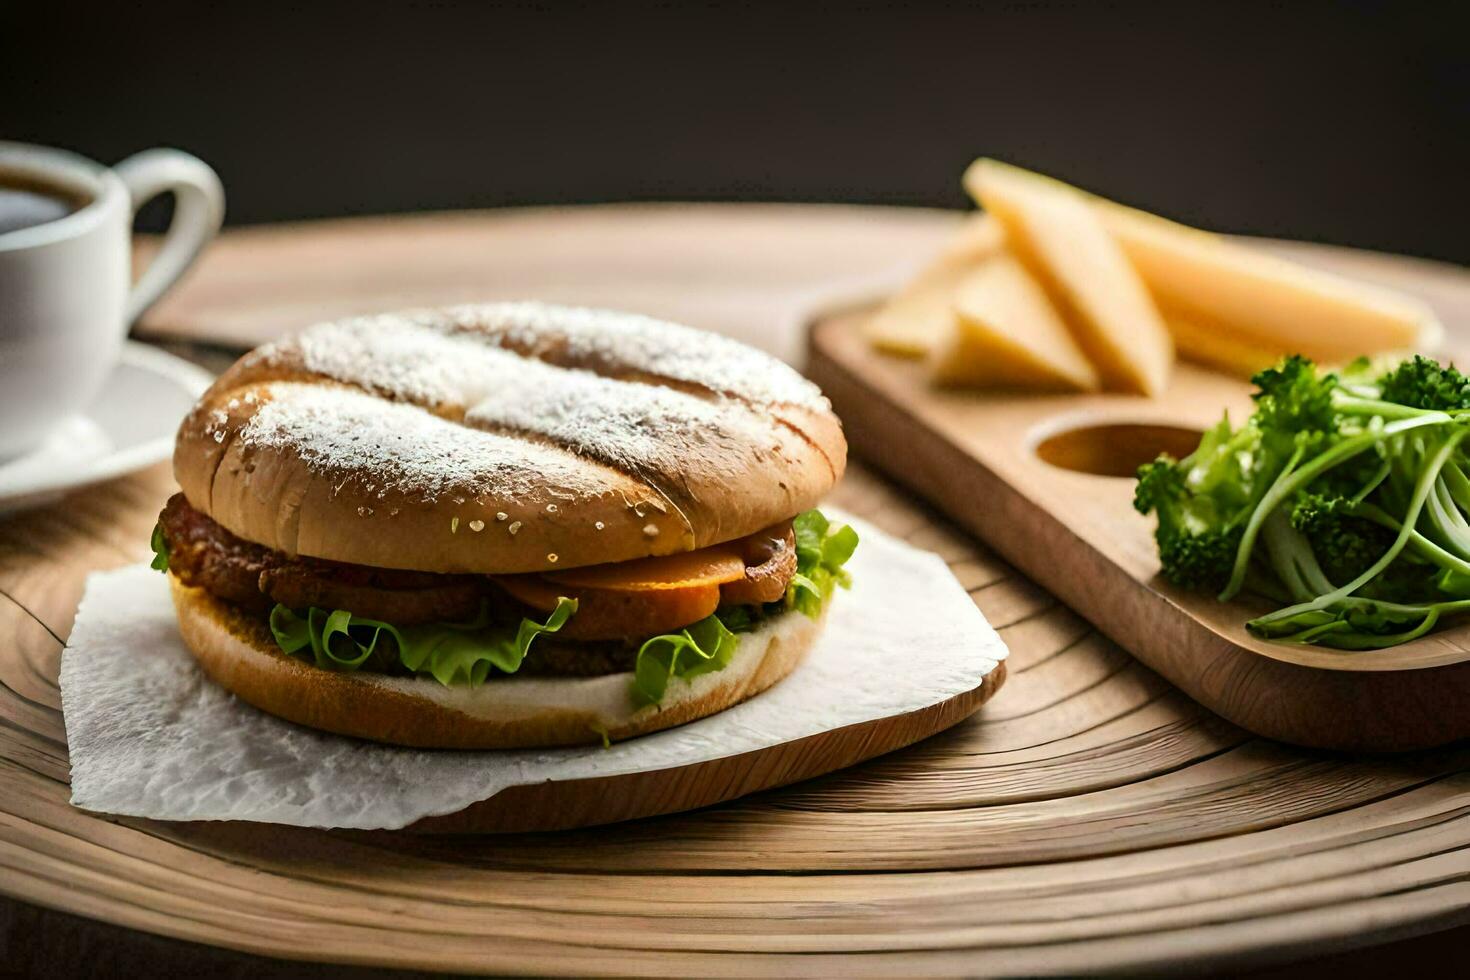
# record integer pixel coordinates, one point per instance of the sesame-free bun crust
(238, 653)
(505, 438)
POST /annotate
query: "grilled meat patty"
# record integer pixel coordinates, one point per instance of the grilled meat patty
(204, 554)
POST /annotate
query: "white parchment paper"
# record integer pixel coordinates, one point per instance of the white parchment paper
(151, 736)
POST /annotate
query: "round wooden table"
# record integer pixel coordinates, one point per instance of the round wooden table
(1088, 818)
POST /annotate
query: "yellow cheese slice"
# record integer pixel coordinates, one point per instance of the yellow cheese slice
(980, 237)
(1231, 353)
(1007, 335)
(1061, 241)
(1226, 288)
(917, 317)
(915, 320)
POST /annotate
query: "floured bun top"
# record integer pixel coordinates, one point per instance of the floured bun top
(510, 437)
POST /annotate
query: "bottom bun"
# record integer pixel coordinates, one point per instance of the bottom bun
(238, 652)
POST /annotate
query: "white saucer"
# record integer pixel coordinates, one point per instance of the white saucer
(129, 425)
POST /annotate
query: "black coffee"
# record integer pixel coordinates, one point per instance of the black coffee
(26, 202)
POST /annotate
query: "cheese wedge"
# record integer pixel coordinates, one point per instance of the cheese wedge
(1230, 292)
(915, 320)
(980, 237)
(1061, 241)
(1229, 352)
(1007, 335)
(920, 315)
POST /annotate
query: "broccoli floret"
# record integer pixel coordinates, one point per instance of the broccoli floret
(1345, 545)
(1316, 490)
(1312, 513)
(1196, 547)
(1293, 398)
(1199, 561)
(1421, 382)
(1159, 484)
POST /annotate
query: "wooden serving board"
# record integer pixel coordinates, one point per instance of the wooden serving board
(609, 799)
(1048, 481)
(1089, 818)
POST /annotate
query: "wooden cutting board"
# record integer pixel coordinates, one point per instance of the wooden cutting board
(1048, 481)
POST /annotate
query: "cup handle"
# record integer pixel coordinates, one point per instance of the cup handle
(199, 208)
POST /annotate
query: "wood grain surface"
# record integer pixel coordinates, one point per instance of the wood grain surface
(1091, 817)
(573, 803)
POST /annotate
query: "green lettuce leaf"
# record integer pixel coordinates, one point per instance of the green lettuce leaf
(708, 645)
(452, 653)
(159, 544)
(742, 619)
(820, 554)
(699, 648)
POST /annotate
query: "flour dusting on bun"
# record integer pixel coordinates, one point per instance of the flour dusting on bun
(503, 525)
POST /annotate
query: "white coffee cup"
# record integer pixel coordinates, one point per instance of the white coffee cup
(66, 296)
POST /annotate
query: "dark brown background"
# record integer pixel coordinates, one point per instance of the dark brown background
(1347, 122)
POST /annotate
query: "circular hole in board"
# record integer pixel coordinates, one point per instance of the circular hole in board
(1116, 448)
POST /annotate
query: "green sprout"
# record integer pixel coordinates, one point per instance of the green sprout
(1345, 495)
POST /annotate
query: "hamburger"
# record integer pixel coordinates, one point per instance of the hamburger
(500, 526)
